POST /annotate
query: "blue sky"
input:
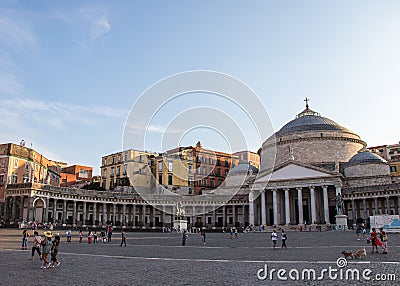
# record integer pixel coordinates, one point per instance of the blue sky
(71, 70)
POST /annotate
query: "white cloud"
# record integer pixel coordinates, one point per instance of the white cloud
(55, 114)
(99, 28)
(17, 35)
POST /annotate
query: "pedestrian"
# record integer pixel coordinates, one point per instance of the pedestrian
(203, 236)
(109, 233)
(36, 245)
(231, 232)
(283, 238)
(80, 236)
(358, 231)
(384, 239)
(374, 241)
(46, 247)
(184, 237)
(69, 235)
(25, 235)
(89, 237)
(236, 233)
(274, 237)
(94, 237)
(123, 238)
(54, 251)
(364, 232)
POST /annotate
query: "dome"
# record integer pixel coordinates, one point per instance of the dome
(366, 157)
(310, 121)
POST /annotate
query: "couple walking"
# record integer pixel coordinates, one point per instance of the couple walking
(274, 238)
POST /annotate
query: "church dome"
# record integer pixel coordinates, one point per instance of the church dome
(366, 157)
(310, 121)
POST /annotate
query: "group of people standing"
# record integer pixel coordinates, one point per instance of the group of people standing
(382, 241)
(48, 245)
(274, 238)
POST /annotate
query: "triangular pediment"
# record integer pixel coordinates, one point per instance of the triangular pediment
(294, 171)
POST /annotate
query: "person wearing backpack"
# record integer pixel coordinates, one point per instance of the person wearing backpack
(283, 238)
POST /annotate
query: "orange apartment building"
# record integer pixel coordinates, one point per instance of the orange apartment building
(20, 164)
(249, 156)
(76, 175)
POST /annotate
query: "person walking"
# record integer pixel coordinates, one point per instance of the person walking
(36, 245)
(236, 233)
(203, 236)
(231, 232)
(184, 237)
(274, 237)
(109, 233)
(375, 241)
(54, 251)
(94, 237)
(69, 235)
(80, 236)
(25, 235)
(283, 238)
(123, 238)
(46, 247)
(89, 237)
(384, 239)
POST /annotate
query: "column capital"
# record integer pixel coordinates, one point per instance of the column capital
(324, 186)
(311, 187)
(274, 190)
(286, 189)
(299, 188)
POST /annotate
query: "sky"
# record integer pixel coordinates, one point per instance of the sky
(72, 71)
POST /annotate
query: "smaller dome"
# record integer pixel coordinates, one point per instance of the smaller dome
(366, 157)
(243, 168)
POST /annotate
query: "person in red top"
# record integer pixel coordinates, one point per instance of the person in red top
(375, 241)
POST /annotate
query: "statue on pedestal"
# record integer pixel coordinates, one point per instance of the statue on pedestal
(339, 204)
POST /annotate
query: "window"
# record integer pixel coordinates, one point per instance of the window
(169, 179)
(204, 170)
(226, 173)
(26, 179)
(169, 166)
(1, 179)
(14, 178)
(83, 173)
(190, 169)
(203, 159)
(190, 183)
(141, 158)
(118, 170)
(393, 169)
(160, 179)
(211, 161)
(226, 163)
(219, 183)
(113, 160)
(125, 168)
(218, 172)
(159, 166)
(105, 162)
(205, 182)
(112, 185)
(112, 172)
(119, 158)
(126, 157)
(209, 220)
(218, 162)
(199, 183)
(212, 183)
(104, 172)
(27, 166)
(15, 163)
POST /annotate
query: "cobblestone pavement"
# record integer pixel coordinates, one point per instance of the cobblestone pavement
(159, 258)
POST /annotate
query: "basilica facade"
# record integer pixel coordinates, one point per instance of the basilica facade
(315, 160)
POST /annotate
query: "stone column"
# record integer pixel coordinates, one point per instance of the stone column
(388, 205)
(300, 204)
(74, 214)
(287, 207)
(104, 214)
(263, 206)
(214, 214)
(234, 215)
(94, 213)
(64, 218)
(251, 207)
(223, 215)
(376, 206)
(275, 206)
(365, 208)
(313, 210)
(134, 215)
(144, 214)
(123, 214)
(21, 209)
(114, 213)
(244, 213)
(204, 216)
(46, 211)
(326, 204)
(163, 216)
(353, 208)
(14, 207)
(154, 215)
(84, 213)
(54, 210)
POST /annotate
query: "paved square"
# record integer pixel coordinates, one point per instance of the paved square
(159, 258)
